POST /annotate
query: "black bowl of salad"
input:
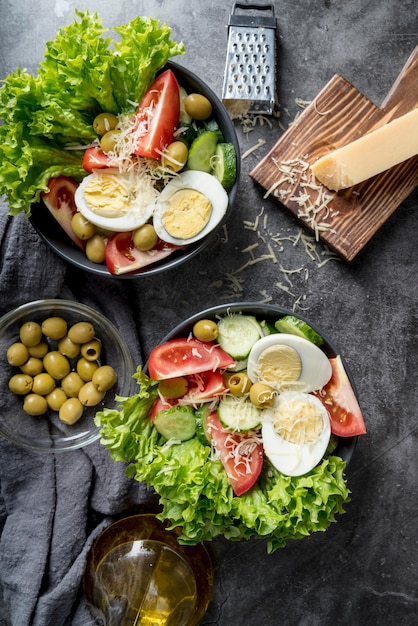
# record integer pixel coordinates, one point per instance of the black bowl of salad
(122, 172)
(244, 423)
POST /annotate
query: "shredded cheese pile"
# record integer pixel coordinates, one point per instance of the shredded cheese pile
(298, 421)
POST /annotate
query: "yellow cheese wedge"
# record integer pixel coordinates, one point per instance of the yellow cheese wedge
(370, 155)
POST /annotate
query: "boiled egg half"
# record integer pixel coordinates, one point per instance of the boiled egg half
(114, 201)
(189, 207)
(296, 432)
(288, 362)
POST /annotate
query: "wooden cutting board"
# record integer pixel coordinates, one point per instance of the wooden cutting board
(338, 115)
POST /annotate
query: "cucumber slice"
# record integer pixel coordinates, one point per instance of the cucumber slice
(202, 432)
(225, 164)
(295, 326)
(201, 152)
(237, 334)
(212, 125)
(239, 414)
(238, 366)
(177, 422)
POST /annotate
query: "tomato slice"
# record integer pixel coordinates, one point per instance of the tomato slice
(59, 201)
(204, 386)
(157, 116)
(95, 159)
(183, 357)
(122, 256)
(339, 399)
(241, 455)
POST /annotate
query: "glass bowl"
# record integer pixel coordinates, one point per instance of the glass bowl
(54, 236)
(114, 574)
(47, 433)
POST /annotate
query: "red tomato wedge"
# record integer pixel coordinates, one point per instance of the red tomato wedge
(122, 256)
(204, 386)
(157, 116)
(339, 399)
(241, 455)
(60, 203)
(183, 357)
(95, 159)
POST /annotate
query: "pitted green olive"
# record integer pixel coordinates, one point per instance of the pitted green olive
(198, 106)
(72, 384)
(39, 350)
(109, 140)
(21, 384)
(17, 354)
(89, 395)
(82, 227)
(71, 411)
(205, 330)
(172, 388)
(54, 327)
(68, 348)
(104, 122)
(96, 248)
(43, 384)
(145, 237)
(56, 364)
(32, 366)
(91, 350)
(261, 395)
(104, 378)
(175, 156)
(86, 369)
(34, 404)
(30, 333)
(81, 332)
(56, 399)
(239, 384)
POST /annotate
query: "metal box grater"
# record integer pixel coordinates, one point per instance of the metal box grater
(251, 59)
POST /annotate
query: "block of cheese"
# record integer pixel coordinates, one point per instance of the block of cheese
(369, 155)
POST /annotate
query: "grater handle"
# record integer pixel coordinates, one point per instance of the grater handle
(255, 21)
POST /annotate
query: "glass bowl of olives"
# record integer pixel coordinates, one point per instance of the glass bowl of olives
(60, 362)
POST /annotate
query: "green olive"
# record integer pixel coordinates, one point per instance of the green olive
(92, 349)
(30, 333)
(89, 395)
(145, 237)
(173, 387)
(17, 354)
(261, 395)
(96, 249)
(71, 411)
(175, 156)
(81, 332)
(239, 384)
(32, 366)
(104, 378)
(39, 350)
(104, 122)
(21, 384)
(109, 140)
(72, 384)
(86, 369)
(198, 106)
(54, 327)
(56, 399)
(82, 227)
(34, 404)
(68, 348)
(205, 330)
(43, 384)
(56, 364)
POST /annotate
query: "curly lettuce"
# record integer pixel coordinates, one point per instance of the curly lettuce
(83, 73)
(194, 490)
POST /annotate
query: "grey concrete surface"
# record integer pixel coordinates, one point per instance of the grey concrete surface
(363, 570)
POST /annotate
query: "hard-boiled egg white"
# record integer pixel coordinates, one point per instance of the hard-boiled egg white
(116, 202)
(288, 362)
(184, 220)
(296, 432)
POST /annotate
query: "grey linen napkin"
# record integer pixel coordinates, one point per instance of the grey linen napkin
(52, 506)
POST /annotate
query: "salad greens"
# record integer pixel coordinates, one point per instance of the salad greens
(82, 74)
(194, 490)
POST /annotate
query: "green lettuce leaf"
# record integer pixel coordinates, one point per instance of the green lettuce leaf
(194, 490)
(45, 117)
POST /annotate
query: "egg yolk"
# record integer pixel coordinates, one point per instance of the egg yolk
(279, 366)
(186, 213)
(107, 196)
(298, 421)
